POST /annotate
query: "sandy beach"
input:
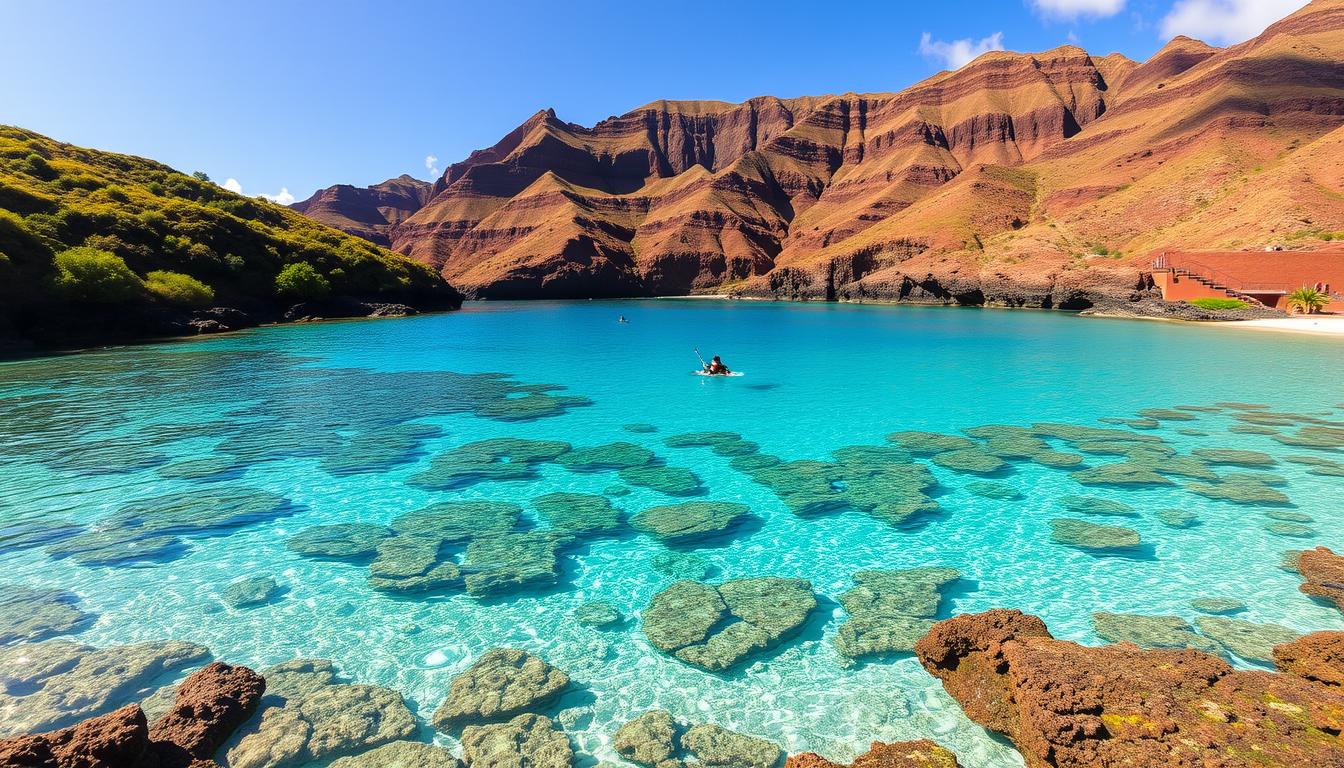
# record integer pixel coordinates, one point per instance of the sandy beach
(1318, 325)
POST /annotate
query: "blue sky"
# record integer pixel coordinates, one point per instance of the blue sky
(300, 94)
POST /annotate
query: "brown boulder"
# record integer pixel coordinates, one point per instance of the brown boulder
(904, 754)
(211, 704)
(1318, 657)
(1065, 705)
(1322, 575)
(114, 740)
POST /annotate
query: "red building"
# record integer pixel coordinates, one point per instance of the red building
(1266, 277)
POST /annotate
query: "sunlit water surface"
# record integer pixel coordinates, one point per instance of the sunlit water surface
(83, 435)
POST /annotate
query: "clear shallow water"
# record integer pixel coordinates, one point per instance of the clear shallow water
(83, 435)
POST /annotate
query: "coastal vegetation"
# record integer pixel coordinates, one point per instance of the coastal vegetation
(85, 232)
(1218, 304)
(1307, 300)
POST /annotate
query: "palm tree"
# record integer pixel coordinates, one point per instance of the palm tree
(1307, 300)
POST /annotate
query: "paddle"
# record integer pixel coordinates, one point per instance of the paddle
(703, 364)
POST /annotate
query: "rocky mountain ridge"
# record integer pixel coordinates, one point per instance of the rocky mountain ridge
(1040, 179)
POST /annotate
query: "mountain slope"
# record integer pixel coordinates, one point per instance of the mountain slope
(97, 246)
(1028, 179)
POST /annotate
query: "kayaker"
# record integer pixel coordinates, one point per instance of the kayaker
(716, 367)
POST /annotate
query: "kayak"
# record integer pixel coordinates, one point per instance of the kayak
(717, 375)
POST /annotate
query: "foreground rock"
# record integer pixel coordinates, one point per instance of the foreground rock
(502, 683)
(904, 754)
(889, 611)
(717, 627)
(1070, 706)
(401, 754)
(527, 741)
(210, 705)
(1322, 575)
(655, 739)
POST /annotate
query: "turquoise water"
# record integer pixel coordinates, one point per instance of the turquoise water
(81, 436)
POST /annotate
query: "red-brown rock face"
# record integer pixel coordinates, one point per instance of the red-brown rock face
(1322, 575)
(905, 754)
(211, 704)
(1069, 706)
(1013, 180)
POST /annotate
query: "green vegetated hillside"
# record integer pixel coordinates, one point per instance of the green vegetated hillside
(95, 243)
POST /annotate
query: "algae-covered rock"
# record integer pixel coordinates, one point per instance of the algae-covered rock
(1217, 605)
(37, 614)
(1289, 516)
(990, 490)
(1177, 518)
(506, 562)
(1166, 414)
(716, 628)
(649, 739)
(250, 592)
(597, 613)
(1121, 473)
(640, 428)
(207, 468)
(1250, 641)
(401, 754)
(378, 449)
(1149, 631)
(753, 462)
(412, 564)
(1294, 530)
(690, 522)
(1239, 492)
(605, 457)
(1090, 536)
(701, 439)
(877, 634)
(715, 745)
(928, 443)
(1092, 505)
(502, 683)
(341, 541)
(452, 522)
(889, 611)
(496, 459)
(1234, 458)
(673, 481)
(578, 512)
(975, 460)
(681, 565)
(527, 741)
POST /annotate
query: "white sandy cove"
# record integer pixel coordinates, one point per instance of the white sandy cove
(1323, 325)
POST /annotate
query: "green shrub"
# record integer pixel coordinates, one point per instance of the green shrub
(1219, 304)
(94, 276)
(177, 288)
(301, 281)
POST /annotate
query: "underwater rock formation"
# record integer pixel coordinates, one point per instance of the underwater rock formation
(904, 754)
(1065, 705)
(502, 683)
(1090, 536)
(37, 614)
(656, 740)
(889, 611)
(717, 627)
(690, 522)
(526, 741)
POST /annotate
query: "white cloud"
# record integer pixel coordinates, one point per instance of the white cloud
(1225, 21)
(957, 53)
(1073, 9)
(284, 198)
(432, 165)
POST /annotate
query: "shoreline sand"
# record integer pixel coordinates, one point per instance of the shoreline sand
(1315, 325)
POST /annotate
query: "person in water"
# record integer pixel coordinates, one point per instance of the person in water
(715, 367)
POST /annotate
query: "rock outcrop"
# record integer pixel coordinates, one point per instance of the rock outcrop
(904, 754)
(1322, 575)
(210, 705)
(1069, 706)
(1040, 179)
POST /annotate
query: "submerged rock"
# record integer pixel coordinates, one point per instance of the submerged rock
(975, 460)
(401, 754)
(640, 428)
(502, 683)
(1217, 605)
(1149, 631)
(597, 613)
(378, 449)
(578, 513)
(1240, 490)
(527, 741)
(37, 614)
(1251, 641)
(1090, 536)
(1177, 518)
(673, 481)
(497, 459)
(889, 611)
(327, 722)
(56, 683)
(1091, 505)
(903, 754)
(452, 522)
(701, 439)
(1234, 457)
(605, 457)
(341, 541)
(1322, 575)
(682, 565)
(989, 490)
(1295, 530)
(507, 562)
(1121, 473)
(716, 628)
(208, 468)
(1156, 707)
(690, 522)
(649, 740)
(929, 443)
(715, 745)
(250, 592)
(412, 564)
